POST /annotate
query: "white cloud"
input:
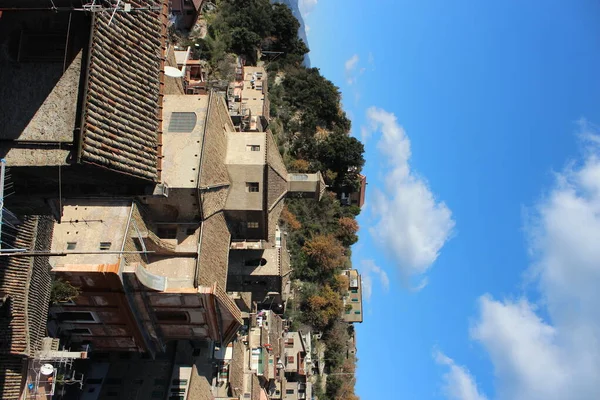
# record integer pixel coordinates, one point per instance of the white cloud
(350, 63)
(368, 271)
(525, 350)
(551, 350)
(306, 7)
(410, 224)
(350, 67)
(459, 384)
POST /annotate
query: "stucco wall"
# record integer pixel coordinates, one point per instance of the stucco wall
(238, 152)
(239, 198)
(87, 223)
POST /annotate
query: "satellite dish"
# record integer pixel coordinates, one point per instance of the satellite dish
(47, 369)
(173, 72)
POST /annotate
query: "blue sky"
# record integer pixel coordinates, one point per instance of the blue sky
(479, 240)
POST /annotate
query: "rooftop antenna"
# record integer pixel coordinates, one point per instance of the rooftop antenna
(114, 12)
(2, 175)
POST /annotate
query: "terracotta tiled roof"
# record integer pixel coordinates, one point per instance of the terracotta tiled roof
(121, 109)
(11, 376)
(214, 252)
(213, 170)
(225, 302)
(273, 220)
(236, 369)
(275, 332)
(26, 280)
(277, 187)
(276, 172)
(213, 200)
(257, 390)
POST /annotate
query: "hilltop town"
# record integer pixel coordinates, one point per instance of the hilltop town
(179, 199)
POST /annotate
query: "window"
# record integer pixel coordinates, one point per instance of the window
(252, 187)
(357, 312)
(289, 391)
(179, 382)
(290, 359)
(71, 245)
(355, 300)
(167, 233)
(252, 225)
(354, 291)
(171, 316)
(252, 147)
(182, 122)
(80, 331)
(289, 343)
(105, 245)
(77, 316)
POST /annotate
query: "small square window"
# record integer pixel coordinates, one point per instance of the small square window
(253, 225)
(290, 359)
(356, 312)
(289, 391)
(252, 187)
(71, 245)
(252, 147)
(105, 245)
(355, 300)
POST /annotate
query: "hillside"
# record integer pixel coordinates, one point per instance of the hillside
(293, 5)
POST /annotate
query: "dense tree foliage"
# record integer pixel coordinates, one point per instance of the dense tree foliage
(247, 27)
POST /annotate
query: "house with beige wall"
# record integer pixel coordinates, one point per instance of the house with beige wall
(353, 309)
